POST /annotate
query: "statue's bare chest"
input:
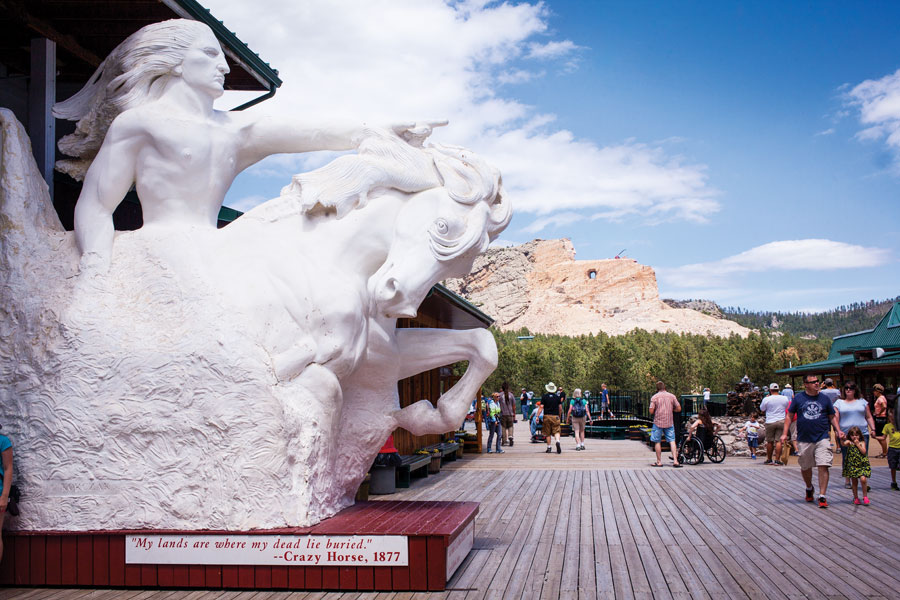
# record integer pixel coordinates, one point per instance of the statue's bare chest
(188, 145)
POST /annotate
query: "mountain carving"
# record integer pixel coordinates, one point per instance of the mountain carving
(540, 286)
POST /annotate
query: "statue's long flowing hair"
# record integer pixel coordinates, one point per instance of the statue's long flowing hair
(135, 72)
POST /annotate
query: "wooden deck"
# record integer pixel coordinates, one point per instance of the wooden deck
(579, 525)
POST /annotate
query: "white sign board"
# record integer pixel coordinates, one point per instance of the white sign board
(290, 550)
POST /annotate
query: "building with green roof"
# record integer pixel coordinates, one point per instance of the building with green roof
(865, 357)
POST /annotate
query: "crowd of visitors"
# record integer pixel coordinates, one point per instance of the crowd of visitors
(812, 424)
(822, 412)
(545, 416)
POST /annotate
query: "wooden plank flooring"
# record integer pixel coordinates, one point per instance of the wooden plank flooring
(602, 524)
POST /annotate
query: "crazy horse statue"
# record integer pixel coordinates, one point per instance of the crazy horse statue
(186, 377)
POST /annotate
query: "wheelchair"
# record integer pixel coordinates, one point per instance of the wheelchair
(692, 451)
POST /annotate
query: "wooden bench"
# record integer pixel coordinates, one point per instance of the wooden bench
(449, 451)
(409, 464)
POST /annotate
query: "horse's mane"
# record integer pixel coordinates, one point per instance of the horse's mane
(385, 162)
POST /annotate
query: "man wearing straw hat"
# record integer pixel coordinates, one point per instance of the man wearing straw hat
(552, 415)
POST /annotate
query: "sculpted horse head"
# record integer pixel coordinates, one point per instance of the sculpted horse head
(384, 226)
(440, 231)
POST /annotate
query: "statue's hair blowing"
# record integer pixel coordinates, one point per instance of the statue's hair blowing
(135, 72)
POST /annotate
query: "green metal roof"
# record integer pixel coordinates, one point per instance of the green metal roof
(461, 303)
(885, 335)
(844, 342)
(820, 366)
(228, 214)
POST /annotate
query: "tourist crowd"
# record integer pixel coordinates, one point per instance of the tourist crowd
(812, 425)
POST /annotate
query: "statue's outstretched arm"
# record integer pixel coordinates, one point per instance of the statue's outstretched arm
(109, 178)
(423, 349)
(266, 135)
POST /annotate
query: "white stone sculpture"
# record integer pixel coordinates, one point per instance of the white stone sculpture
(184, 377)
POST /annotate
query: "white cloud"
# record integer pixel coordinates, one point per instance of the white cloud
(385, 61)
(556, 220)
(551, 49)
(788, 255)
(828, 131)
(518, 76)
(548, 173)
(878, 103)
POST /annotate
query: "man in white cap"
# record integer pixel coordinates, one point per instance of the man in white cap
(775, 406)
(552, 404)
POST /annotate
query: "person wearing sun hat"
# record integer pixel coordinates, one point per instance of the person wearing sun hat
(552, 415)
(788, 391)
(775, 407)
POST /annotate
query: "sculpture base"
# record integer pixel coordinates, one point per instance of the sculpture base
(438, 536)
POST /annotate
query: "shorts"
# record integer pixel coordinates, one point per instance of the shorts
(753, 442)
(507, 421)
(551, 425)
(816, 454)
(656, 433)
(578, 425)
(774, 431)
(894, 458)
(880, 422)
(793, 431)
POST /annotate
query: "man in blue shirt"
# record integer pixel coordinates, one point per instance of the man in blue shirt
(815, 417)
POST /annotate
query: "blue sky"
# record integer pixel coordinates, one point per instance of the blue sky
(749, 152)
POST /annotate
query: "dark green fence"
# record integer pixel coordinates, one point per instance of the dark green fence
(717, 405)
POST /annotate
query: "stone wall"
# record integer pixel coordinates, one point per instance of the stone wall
(737, 445)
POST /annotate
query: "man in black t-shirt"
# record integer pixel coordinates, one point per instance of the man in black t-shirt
(552, 415)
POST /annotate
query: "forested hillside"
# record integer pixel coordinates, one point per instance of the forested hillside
(635, 361)
(824, 325)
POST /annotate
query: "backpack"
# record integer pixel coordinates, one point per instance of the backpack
(578, 408)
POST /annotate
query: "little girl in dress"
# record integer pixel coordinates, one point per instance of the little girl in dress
(856, 465)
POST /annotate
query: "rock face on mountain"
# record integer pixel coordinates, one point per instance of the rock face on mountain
(707, 307)
(540, 285)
